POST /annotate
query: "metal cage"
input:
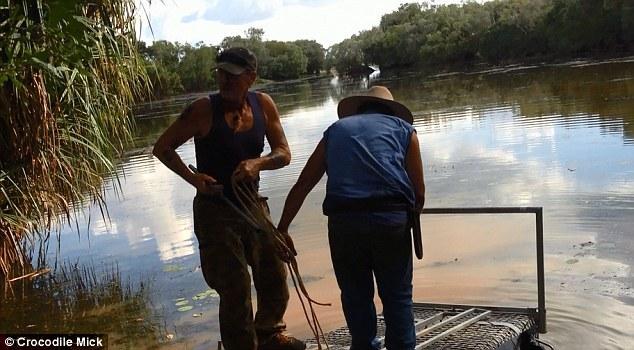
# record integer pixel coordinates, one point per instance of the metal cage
(453, 326)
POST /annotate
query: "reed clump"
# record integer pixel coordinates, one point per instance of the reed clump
(69, 72)
(76, 298)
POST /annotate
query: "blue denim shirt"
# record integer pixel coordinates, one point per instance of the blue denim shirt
(365, 158)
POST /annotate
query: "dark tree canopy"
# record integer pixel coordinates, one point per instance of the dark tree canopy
(499, 31)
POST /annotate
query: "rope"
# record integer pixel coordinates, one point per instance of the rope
(248, 197)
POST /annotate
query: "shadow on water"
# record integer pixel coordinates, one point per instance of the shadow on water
(81, 300)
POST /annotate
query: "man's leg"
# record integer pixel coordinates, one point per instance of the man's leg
(224, 268)
(350, 254)
(392, 255)
(269, 277)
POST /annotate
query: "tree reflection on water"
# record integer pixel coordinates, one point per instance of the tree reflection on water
(79, 299)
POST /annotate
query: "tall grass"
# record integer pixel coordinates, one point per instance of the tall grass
(83, 299)
(69, 72)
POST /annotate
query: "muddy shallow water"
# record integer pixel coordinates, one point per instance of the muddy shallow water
(559, 137)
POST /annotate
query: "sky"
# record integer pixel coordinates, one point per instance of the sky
(326, 21)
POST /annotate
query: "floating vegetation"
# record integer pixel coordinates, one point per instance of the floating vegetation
(185, 308)
(173, 268)
(206, 294)
(76, 299)
(182, 302)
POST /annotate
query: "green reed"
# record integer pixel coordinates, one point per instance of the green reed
(69, 72)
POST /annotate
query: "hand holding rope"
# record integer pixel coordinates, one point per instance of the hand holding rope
(253, 211)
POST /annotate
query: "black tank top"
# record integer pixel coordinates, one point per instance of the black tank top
(221, 150)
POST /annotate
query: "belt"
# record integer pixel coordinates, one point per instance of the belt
(334, 205)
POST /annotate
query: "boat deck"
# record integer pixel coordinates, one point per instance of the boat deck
(456, 327)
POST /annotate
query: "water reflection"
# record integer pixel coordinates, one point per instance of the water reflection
(81, 299)
(558, 137)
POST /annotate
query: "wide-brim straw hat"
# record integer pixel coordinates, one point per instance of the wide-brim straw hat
(376, 94)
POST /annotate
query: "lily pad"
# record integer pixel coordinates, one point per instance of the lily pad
(173, 268)
(209, 293)
(185, 308)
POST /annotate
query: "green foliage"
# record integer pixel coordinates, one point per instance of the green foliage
(496, 31)
(196, 67)
(252, 41)
(164, 82)
(576, 27)
(280, 60)
(516, 30)
(347, 57)
(315, 54)
(175, 68)
(406, 13)
(287, 61)
(380, 47)
(166, 53)
(69, 73)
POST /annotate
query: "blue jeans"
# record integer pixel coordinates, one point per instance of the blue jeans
(360, 250)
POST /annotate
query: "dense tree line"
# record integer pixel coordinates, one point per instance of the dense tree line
(500, 31)
(176, 68)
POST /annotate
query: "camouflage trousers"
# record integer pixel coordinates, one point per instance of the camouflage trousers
(228, 246)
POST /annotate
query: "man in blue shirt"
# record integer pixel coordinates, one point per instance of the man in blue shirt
(375, 189)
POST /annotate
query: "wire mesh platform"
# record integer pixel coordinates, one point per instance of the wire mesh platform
(456, 327)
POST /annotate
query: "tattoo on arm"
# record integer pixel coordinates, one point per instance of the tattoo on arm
(276, 159)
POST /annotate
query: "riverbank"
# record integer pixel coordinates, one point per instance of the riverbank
(484, 68)
(426, 72)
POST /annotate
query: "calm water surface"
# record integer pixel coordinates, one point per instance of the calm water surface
(560, 137)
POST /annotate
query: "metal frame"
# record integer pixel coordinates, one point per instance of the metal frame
(464, 324)
(539, 241)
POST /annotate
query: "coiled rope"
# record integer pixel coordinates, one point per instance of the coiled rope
(255, 214)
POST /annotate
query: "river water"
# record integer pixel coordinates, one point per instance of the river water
(559, 137)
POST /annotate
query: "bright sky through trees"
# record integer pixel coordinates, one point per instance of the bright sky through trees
(326, 21)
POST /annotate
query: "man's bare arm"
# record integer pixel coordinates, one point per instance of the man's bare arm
(190, 124)
(280, 155)
(311, 174)
(414, 168)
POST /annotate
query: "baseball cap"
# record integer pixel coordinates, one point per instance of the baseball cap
(235, 60)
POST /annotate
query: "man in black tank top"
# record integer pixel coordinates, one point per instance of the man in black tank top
(229, 130)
